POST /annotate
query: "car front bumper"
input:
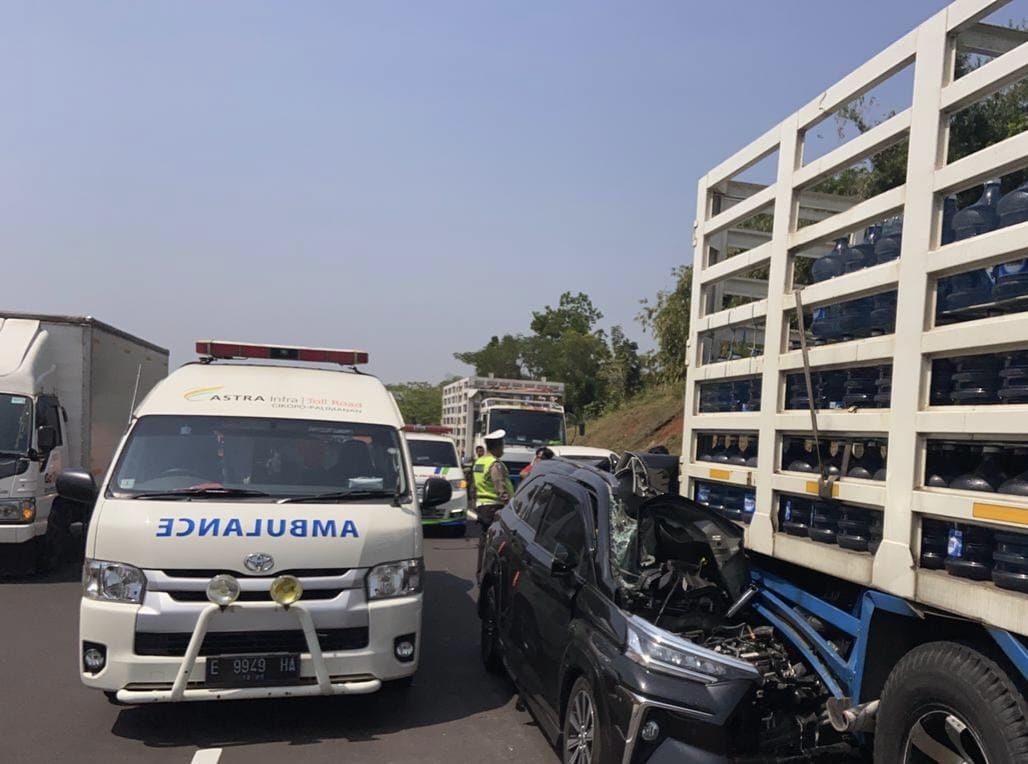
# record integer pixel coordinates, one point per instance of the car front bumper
(157, 678)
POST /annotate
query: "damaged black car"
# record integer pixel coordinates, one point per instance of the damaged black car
(622, 612)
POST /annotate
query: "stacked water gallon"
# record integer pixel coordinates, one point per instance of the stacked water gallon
(849, 526)
(732, 450)
(978, 466)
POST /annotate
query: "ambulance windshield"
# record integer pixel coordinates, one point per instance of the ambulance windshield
(432, 453)
(237, 457)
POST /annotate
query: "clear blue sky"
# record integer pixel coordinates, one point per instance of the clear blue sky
(366, 174)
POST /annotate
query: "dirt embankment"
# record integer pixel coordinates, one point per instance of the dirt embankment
(654, 418)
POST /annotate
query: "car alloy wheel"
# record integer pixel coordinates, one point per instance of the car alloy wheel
(580, 729)
(940, 735)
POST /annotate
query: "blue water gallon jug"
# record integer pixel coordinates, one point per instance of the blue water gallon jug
(1014, 376)
(830, 389)
(887, 246)
(832, 263)
(860, 387)
(949, 211)
(987, 476)
(862, 255)
(824, 524)
(975, 380)
(749, 506)
(854, 528)
(882, 317)
(933, 544)
(794, 515)
(883, 387)
(980, 217)
(1012, 278)
(1010, 561)
(969, 552)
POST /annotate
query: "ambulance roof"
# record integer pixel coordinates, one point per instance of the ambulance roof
(264, 390)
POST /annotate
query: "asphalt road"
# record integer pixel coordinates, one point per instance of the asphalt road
(455, 712)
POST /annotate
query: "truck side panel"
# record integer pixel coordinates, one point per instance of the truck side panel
(115, 361)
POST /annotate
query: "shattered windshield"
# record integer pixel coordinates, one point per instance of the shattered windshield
(622, 538)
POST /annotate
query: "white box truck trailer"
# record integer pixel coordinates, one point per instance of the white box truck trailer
(856, 398)
(531, 411)
(67, 385)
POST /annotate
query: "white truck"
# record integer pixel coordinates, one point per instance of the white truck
(530, 411)
(258, 536)
(67, 386)
(874, 450)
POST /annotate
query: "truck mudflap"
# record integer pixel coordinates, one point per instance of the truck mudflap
(323, 685)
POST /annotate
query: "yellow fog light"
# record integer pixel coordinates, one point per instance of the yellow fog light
(286, 590)
(223, 590)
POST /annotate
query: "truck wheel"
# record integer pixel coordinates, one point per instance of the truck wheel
(490, 638)
(54, 545)
(945, 702)
(582, 741)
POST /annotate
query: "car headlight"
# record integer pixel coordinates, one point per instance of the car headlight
(664, 652)
(395, 579)
(459, 485)
(18, 511)
(113, 582)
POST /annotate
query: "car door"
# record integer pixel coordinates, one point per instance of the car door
(48, 414)
(519, 520)
(566, 520)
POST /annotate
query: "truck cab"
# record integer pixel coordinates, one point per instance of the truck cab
(528, 426)
(66, 389)
(258, 535)
(434, 454)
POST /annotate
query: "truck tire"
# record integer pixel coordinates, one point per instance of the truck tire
(52, 549)
(950, 700)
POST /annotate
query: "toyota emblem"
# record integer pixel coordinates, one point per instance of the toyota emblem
(259, 562)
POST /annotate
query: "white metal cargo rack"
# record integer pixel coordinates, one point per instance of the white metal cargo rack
(723, 203)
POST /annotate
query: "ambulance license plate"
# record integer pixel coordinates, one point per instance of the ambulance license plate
(252, 670)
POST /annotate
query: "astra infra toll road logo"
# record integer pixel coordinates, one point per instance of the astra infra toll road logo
(216, 393)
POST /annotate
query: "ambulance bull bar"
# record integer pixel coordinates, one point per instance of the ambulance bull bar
(178, 691)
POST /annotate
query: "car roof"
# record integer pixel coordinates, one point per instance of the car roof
(581, 451)
(596, 479)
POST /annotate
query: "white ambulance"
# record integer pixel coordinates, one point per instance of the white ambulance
(257, 536)
(433, 453)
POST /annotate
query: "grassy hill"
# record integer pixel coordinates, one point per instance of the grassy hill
(653, 418)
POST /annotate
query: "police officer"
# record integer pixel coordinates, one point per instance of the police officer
(493, 487)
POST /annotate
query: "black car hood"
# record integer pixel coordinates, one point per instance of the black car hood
(671, 527)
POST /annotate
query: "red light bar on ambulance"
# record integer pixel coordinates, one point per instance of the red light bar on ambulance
(221, 349)
(435, 429)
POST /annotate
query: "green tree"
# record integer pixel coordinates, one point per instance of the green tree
(667, 320)
(622, 371)
(574, 313)
(500, 357)
(419, 402)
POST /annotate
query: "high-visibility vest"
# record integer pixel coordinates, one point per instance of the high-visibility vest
(485, 492)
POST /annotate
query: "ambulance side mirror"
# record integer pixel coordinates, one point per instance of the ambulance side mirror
(77, 485)
(437, 491)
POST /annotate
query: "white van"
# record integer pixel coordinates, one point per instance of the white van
(257, 536)
(434, 454)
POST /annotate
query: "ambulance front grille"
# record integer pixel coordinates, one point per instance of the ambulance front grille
(243, 642)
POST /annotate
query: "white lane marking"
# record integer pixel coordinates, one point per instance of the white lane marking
(206, 756)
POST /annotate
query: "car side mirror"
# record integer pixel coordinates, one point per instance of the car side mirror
(437, 491)
(77, 485)
(564, 561)
(46, 439)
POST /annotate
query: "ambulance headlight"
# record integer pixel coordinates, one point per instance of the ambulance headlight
(112, 582)
(395, 579)
(223, 590)
(286, 590)
(459, 485)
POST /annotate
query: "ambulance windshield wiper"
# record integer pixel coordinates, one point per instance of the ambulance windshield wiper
(353, 493)
(189, 493)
